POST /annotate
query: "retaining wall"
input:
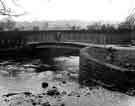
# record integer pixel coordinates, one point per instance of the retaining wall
(96, 67)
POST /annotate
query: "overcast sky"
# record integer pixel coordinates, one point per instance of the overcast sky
(85, 10)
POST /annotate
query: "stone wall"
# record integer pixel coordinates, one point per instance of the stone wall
(96, 67)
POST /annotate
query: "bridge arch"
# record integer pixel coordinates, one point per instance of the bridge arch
(49, 50)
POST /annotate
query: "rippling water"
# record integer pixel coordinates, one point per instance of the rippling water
(29, 80)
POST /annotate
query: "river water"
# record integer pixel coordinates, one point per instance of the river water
(18, 77)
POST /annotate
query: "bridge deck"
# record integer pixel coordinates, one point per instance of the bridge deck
(74, 44)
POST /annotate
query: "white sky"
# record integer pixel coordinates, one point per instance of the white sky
(84, 10)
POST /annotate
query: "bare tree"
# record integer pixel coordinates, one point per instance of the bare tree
(130, 20)
(5, 10)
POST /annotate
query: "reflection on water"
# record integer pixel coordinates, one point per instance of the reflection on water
(25, 76)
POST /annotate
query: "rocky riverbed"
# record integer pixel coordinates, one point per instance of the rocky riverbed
(33, 83)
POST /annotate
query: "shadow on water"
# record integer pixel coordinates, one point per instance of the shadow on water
(47, 54)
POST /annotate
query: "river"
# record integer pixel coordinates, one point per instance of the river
(16, 77)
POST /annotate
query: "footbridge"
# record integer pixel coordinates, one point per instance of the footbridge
(46, 50)
(56, 49)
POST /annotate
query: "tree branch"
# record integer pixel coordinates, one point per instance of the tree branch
(8, 11)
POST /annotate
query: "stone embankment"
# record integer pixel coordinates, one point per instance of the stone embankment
(112, 67)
